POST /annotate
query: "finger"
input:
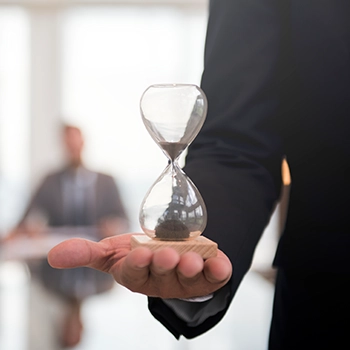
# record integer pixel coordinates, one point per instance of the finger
(190, 266)
(190, 273)
(101, 255)
(164, 262)
(75, 252)
(133, 271)
(218, 269)
(163, 277)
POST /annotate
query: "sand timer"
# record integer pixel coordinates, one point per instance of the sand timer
(173, 212)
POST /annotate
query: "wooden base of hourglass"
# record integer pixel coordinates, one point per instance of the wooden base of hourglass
(200, 245)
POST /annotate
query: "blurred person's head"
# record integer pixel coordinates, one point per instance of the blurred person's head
(74, 143)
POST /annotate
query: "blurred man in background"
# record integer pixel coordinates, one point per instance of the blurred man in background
(73, 201)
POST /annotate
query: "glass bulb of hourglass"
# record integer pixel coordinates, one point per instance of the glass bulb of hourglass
(173, 115)
(173, 208)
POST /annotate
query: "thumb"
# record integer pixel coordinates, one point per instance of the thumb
(74, 252)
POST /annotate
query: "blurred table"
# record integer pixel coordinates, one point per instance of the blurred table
(29, 248)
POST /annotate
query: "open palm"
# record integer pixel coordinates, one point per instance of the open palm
(163, 273)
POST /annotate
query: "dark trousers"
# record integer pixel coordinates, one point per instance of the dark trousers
(311, 311)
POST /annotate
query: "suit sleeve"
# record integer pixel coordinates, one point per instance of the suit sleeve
(235, 161)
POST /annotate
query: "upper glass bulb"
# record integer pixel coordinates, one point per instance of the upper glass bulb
(173, 115)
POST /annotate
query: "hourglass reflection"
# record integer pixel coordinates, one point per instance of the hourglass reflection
(173, 210)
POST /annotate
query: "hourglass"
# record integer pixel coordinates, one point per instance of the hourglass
(173, 212)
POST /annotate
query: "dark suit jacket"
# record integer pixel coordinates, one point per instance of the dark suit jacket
(102, 200)
(277, 78)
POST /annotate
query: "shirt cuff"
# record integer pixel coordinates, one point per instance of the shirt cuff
(198, 299)
(195, 311)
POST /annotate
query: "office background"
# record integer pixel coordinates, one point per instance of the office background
(87, 63)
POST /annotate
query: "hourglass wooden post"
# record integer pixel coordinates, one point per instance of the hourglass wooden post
(173, 213)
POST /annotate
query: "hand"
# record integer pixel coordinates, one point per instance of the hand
(163, 274)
